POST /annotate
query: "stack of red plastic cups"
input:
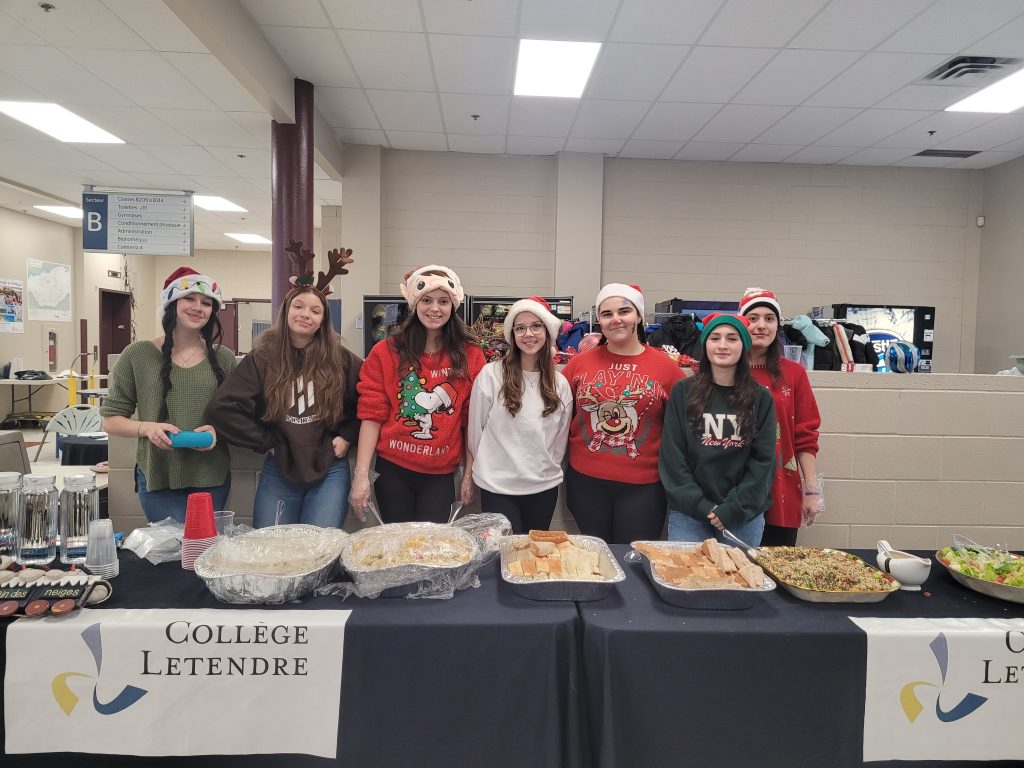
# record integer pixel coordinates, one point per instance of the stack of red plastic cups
(200, 528)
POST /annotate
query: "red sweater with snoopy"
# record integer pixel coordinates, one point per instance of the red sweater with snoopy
(619, 402)
(421, 413)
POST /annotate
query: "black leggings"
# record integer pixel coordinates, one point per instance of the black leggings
(617, 512)
(526, 513)
(406, 496)
(777, 536)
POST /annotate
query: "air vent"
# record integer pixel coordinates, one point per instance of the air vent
(957, 153)
(972, 70)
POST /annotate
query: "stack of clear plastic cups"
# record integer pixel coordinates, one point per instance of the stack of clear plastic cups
(79, 506)
(101, 552)
(200, 528)
(35, 536)
(10, 498)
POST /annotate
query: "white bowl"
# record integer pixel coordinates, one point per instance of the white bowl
(1018, 362)
(910, 570)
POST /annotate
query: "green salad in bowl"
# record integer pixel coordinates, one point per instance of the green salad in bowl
(990, 565)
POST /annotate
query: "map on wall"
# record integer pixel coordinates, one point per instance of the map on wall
(11, 308)
(49, 290)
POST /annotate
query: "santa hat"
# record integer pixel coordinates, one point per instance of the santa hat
(630, 292)
(185, 280)
(445, 393)
(759, 297)
(416, 283)
(715, 319)
(541, 309)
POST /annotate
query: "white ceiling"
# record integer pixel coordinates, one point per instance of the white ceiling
(810, 81)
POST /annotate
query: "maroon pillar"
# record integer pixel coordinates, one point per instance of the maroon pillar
(291, 188)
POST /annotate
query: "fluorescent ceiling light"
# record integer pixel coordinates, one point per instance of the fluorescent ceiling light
(61, 210)
(58, 122)
(1005, 96)
(554, 68)
(247, 238)
(209, 203)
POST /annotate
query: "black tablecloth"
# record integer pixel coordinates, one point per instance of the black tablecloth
(781, 684)
(484, 679)
(86, 451)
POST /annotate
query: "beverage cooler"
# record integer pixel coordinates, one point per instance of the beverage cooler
(888, 323)
(494, 308)
(383, 314)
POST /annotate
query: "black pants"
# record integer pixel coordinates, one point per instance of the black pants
(526, 513)
(617, 512)
(777, 536)
(405, 496)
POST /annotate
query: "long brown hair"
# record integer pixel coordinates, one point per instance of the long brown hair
(511, 394)
(411, 340)
(211, 335)
(319, 362)
(741, 398)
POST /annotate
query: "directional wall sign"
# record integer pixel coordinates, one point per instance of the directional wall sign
(121, 222)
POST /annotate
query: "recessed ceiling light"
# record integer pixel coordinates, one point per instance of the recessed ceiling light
(212, 203)
(554, 68)
(61, 210)
(58, 122)
(247, 238)
(1005, 96)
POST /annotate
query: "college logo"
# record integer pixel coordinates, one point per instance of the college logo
(67, 700)
(912, 707)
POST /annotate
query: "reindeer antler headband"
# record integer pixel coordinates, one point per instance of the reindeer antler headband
(303, 258)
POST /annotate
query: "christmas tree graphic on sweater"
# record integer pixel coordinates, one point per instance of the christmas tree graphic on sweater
(417, 404)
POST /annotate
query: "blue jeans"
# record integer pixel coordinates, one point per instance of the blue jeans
(323, 504)
(682, 527)
(170, 502)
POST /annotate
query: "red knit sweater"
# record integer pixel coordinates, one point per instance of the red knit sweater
(796, 412)
(620, 401)
(421, 414)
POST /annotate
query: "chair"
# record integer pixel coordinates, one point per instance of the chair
(73, 420)
(13, 455)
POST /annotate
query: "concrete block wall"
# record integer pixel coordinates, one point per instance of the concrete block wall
(915, 459)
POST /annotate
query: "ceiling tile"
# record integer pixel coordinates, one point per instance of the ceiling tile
(946, 126)
(144, 75)
(15, 130)
(805, 125)
(659, 150)
(792, 76)
(83, 22)
(1008, 41)
(662, 21)
(209, 127)
(757, 23)
(459, 108)
(595, 146)
(361, 136)
(764, 153)
(56, 76)
(740, 123)
(157, 24)
(873, 78)
(189, 161)
(934, 97)
(113, 179)
(126, 157)
(949, 25)
(491, 145)
(534, 145)
(407, 111)
(314, 55)
(15, 90)
(464, 64)
(224, 186)
(14, 33)
(714, 75)
(207, 74)
(821, 155)
(668, 121)
(985, 160)
(540, 116)
(434, 142)
(387, 15)
(496, 18)
(132, 124)
(579, 20)
(390, 60)
(856, 25)
(633, 71)
(876, 156)
(991, 135)
(708, 150)
(926, 162)
(346, 108)
(608, 119)
(50, 153)
(175, 181)
(256, 124)
(870, 126)
(255, 164)
(294, 13)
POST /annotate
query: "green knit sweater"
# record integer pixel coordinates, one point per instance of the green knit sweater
(135, 386)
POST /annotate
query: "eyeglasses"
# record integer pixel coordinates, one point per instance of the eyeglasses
(535, 328)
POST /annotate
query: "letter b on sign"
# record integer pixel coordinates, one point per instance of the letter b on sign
(93, 221)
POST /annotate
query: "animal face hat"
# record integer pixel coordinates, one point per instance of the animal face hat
(417, 283)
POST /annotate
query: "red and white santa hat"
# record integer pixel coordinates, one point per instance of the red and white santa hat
(185, 280)
(759, 297)
(631, 293)
(541, 309)
(445, 393)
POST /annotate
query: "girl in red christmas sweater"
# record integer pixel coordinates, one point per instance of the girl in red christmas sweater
(413, 395)
(796, 411)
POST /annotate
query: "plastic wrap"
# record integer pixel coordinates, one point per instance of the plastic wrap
(271, 565)
(814, 488)
(419, 560)
(158, 542)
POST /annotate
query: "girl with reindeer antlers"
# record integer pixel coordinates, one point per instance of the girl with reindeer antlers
(620, 388)
(294, 397)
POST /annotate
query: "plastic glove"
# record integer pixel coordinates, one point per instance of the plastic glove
(359, 496)
(814, 499)
(468, 491)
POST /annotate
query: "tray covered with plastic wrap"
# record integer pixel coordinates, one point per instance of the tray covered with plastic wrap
(419, 559)
(271, 565)
(597, 584)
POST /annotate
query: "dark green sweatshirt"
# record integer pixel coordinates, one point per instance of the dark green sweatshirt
(717, 466)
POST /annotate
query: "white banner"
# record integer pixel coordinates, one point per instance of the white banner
(175, 682)
(943, 689)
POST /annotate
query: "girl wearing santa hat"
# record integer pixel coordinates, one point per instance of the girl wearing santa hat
(519, 421)
(619, 388)
(168, 382)
(413, 396)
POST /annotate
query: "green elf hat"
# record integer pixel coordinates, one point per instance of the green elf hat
(741, 324)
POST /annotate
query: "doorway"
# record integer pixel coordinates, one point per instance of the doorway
(228, 317)
(115, 324)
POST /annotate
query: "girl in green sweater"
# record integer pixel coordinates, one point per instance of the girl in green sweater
(717, 453)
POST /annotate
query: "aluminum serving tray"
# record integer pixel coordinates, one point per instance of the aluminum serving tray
(720, 599)
(989, 588)
(565, 589)
(833, 596)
